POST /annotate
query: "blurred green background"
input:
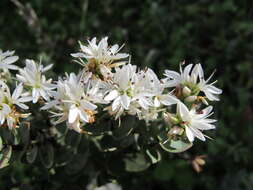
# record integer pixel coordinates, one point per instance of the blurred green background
(158, 34)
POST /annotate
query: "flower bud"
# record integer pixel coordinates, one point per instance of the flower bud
(198, 162)
(190, 98)
(171, 118)
(186, 91)
(175, 131)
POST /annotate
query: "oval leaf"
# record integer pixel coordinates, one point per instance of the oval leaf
(137, 163)
(46, 153)
(176, 146)
(31, 154)
(5, 157)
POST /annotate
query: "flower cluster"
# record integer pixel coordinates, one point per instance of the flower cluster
(108, 82)
(31, 86)
(75, 101)
(10, 103)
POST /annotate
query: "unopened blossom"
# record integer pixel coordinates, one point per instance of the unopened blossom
(74, 101)
(100, 57)
(32, 77)
(192, 81)
(7, 59)
(198, 162)
(195, 121)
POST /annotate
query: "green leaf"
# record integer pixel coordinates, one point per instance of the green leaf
(7, 136)
(5, 156)
(77, 163)
(46, 153)
(1, 144)
(127, 141)
(176, 146)
(73, 139)
(136, 163)
(24, 133)
(31, 154)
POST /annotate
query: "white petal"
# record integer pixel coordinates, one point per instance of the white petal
(112, 95)
(125, 101)
(6, 108)
(207, 110)
(213, 89)
(197, 133)
(26, 99)
(172, 74)
(47, 68)
(211, 96)
(183, 111)
(75, 126)
(49, 105)
(85, 49)
(144, 103)
(84, 116)
(17, 92)
(87, 105)
(35, 95)
(11, 59)
(116, 104)
(156, 102)
(114, 48)
(77, 55)
(200, 72)
(202, 125)
(187, 70)
(168, 100)
(73, 114)
(189, 134)
(120, 56)
(23, 106)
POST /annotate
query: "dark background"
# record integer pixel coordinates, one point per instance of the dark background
(158, 34)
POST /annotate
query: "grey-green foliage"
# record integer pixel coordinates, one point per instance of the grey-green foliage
(158, 34)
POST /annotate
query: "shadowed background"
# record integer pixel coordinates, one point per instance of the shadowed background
(158, 34)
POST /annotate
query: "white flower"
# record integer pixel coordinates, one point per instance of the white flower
(4, 112)
(100, 52)
(135, 91)
(195, 122)
(8, 103)
(127, 89)
(74, 101)
(154, 86)
(100, 57)
(32, 77)
(17, 97)
(123, 81)
(193, 79)
(210, 90)
(6, 60)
